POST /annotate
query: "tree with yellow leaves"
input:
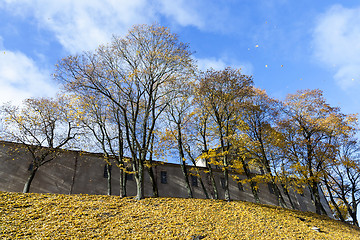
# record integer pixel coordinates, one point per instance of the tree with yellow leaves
(222, 94)
(309, 129)
(44, 126)
(179, 133)
(198, 147)
(136, 73)
(256, 138)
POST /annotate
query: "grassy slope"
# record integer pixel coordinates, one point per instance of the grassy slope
(52, 216)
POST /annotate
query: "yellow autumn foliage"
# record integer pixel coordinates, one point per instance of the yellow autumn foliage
(54, 216)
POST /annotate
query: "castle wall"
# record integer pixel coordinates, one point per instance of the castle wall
(75, 172)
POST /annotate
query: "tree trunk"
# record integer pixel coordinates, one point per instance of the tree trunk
(288, 196)
(313, 184)
(333, 201)
(213, 183)
(122, 177)
(122, 181)
(212, 179)
(281, 201)
(182, 162)
(150, 169)
(252, 183)
(29, 180)
(278, 194)
(254, 191)
(226, 165)
(108, 170)
(354, 217)
(74, 174)
(354, 201)
(316, 198)
(351, 210)
(139, 180)
(211, 175)
(203, 187)
(186, 178)
(200, 178)
(153, 182)
(226, 176)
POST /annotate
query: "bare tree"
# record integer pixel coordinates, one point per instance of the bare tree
(136, 73)
(44, 126)
(104, 125)
(177, 116)
(342, 181)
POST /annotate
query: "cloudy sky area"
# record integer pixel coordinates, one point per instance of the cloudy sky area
(285, 45)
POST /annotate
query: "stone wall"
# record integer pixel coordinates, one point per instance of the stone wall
(74, 172)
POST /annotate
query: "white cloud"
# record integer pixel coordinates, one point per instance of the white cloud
(20, 78)
(206, 63)
(337, 45)
(183, 12)
(84, 24)
(219, 64)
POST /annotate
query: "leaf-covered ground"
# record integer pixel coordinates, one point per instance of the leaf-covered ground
(53, 216)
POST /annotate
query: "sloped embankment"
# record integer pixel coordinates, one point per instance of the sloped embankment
(51, 216)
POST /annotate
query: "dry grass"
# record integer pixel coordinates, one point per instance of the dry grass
(52, 216)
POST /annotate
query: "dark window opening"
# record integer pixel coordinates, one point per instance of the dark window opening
(271, 188)
(222, 182)
(31, 166)
(261, 170)
(208, 179)
(129, 176)
(194, 181)
(240, 187)
(163, 176)
(105, 170)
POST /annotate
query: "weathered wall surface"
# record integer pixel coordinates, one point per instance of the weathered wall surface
(76, 172)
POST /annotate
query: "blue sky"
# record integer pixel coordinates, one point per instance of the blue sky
(285, 45)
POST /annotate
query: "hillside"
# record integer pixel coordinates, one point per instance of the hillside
(51, 216)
